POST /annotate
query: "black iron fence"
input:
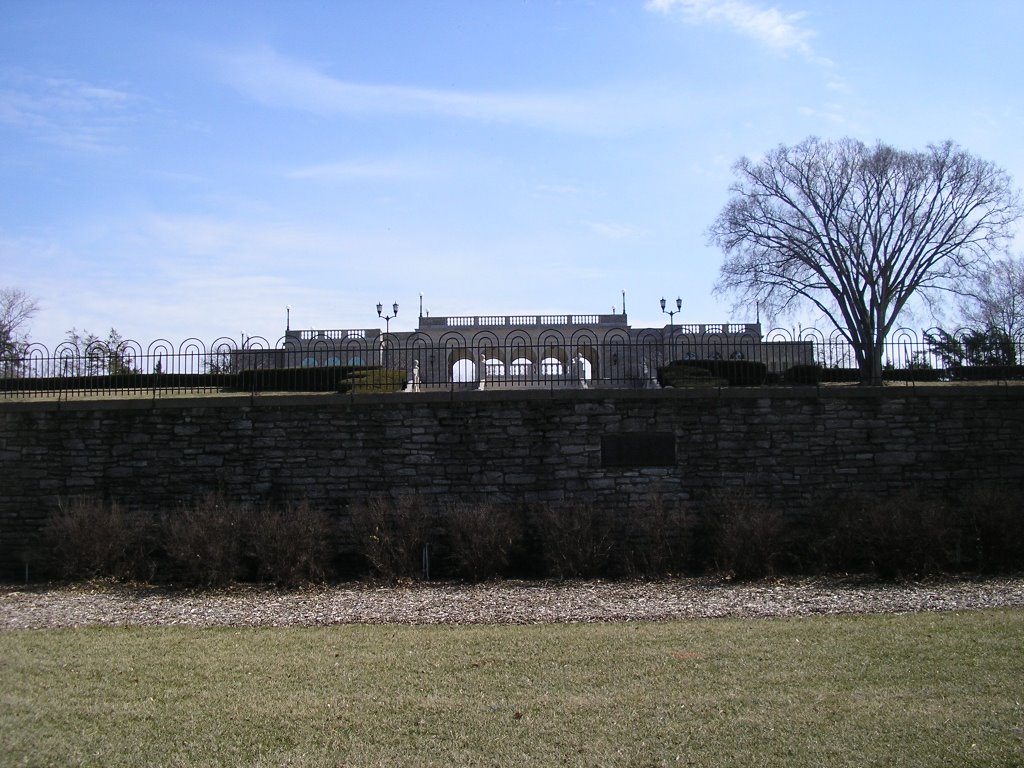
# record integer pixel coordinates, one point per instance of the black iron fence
(363, 362)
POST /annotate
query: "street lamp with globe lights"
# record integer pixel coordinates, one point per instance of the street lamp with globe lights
(387, 326)
(672, 313)
(387, 318)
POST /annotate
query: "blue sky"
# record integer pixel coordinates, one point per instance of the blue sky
(189, 169)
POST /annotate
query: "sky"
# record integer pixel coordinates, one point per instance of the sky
(192, 169)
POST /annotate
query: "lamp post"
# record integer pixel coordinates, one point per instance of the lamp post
(387, 318)
(671, 313)
(387, 325)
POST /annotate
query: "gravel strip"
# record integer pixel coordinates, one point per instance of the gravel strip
(507, 602)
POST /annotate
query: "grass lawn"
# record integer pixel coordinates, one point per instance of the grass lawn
(925, 689)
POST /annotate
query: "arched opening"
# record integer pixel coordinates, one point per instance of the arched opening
(521, 367)
(494, 368)
(551, 366)
(463, 371)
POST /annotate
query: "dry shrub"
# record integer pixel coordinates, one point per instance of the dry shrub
(654, 539)
(892, 536)
(391, 534)
(914, 534)
(90, 539)
(834, 534)
(748, 535)
(576, 540)
(994, 519)
(481, 538)
(289, 545)
(203, 541)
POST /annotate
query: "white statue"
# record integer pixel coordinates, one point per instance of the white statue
(581, 370)
(650, 380)
(414, 380)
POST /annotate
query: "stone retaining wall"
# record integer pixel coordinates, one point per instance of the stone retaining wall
(612, 448)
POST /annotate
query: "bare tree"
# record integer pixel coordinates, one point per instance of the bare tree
(857, 231)
(996, 298)
(85, 353)
(17, 308)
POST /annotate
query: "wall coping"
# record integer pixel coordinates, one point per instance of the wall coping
(189, 402)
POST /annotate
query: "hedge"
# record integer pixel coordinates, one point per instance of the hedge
(737, 373)
(319, 379)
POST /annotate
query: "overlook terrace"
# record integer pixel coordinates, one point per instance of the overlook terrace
(427, 323)
(556, 351)
(580, 350)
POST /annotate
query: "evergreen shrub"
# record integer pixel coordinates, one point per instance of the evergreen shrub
(985, 373)
(737, 373)
(803, 375)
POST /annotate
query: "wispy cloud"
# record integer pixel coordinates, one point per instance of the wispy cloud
(614, 230)
(832, 113)
(69, 113)
(360, 170)
(270, 78)
(562, 190)
(223, 243)
(783, 32)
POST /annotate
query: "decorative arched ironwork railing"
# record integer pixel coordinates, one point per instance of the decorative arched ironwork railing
(453, 357)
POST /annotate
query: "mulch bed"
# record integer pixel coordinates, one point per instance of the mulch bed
(503, 602)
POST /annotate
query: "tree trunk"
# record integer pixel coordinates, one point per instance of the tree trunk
(869, 360)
